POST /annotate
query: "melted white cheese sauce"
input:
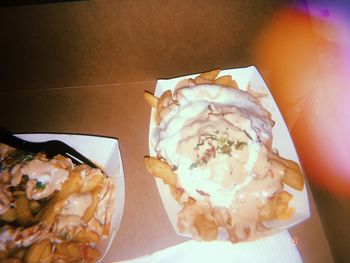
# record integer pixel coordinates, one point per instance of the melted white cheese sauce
(47, 173)
(190, 137)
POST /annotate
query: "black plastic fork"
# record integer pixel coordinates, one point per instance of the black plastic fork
(50, 148)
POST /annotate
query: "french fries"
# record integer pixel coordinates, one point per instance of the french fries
(207, 221)
(292, 174)
(85, 235)
(277, 207)
(9, 215)
(34, 206)
(226, 81)
(20, 253)
(175, 192)
(160, 169)
(164, 101)
(69, 250)
(293, 179)
(51, 212)
(94, 181)
(75, 252)
(210, 75)
(69, 212)
(89, 213)
(281, 208)
(200, 80)
(23, 214)
(91, 254)
(150, 99)
(268, 211)
(284, 197)
(38, 252)
(73, 185)
(11, 260)
(3, 255)
(207, 229)
(287, 214)
(72, 250)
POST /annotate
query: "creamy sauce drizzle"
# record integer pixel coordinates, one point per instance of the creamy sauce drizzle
(219, 141)
(77, 204)
(44, 178)
(47, 174)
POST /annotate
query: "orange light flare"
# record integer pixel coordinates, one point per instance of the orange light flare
(307, 55)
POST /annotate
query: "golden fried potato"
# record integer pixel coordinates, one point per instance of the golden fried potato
(210, 75)
(34, 206)
(175, 192)
(35, 252)
(281, 208)
(51, 212)
(268, 211)
(200, 80)
(161, 170)
(221, 216)
(19, 192)
(293, 165)
(91, 254)
(11, 260)
(227, 81)
(163, 102)
(288, 163)
(46, 253)
(293, 175)
(38, 215)
(150, 99)
(74, 251)
(93, 182)
(72, 185)
(86, 236)
(287, 214)
(284, 197)
(60, 248)
(3, 254)
(207, 229)
(68, 250)
(277, 207)
(20, 253)
(293, 179)
(89, 213)
(23, 214)
(9, 216)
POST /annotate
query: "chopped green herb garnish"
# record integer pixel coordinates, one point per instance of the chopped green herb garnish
(214, 143)
(239, 145)
(40, 185)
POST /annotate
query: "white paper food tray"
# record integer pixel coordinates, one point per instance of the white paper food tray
(246, 78)
(104, 152)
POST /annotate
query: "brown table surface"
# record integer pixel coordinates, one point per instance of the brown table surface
(120, 111)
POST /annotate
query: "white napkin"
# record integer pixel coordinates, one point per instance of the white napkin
(279, 247)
